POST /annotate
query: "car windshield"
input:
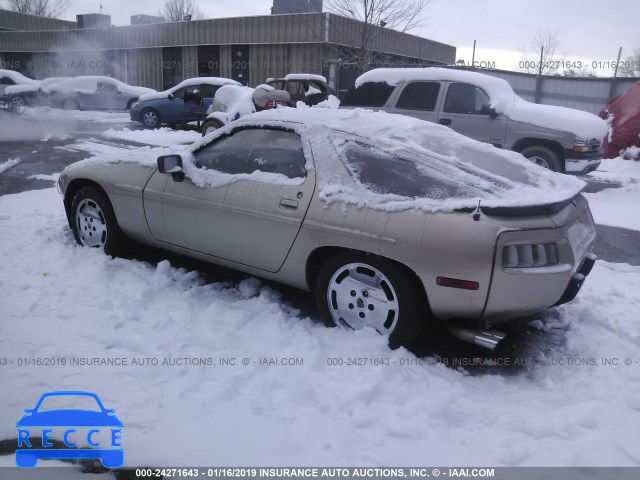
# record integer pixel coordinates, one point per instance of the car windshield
(69, 402)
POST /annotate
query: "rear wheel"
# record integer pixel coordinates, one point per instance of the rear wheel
(150, 118)
(544, 157)
(94, 223)
(18, 102)
(70, 104)
(356, 291)
(130, 103)
(209, 127)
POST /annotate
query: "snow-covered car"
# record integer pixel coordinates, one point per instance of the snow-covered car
(94, 92)
(232, 102)
(176, 106)
(32, 94)
(303, 87)
(393, 222)
(11, 77)
(487, 109)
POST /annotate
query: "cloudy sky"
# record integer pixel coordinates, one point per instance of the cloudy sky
(588, 30)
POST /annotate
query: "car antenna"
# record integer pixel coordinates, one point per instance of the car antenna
(477, 212)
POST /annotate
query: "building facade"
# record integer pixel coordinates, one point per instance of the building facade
(247, 49)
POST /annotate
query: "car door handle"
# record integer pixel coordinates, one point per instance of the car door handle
(288, 203)
(444, 121)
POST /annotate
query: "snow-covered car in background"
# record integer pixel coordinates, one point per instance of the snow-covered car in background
(623, 119)
(487, 109)
(94, 92)
(11, 77)
(177, 105)
(32, 94)
(232, 102)
(303, 87)
(393, 222)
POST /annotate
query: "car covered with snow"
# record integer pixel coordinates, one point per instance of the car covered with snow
(177, 105)
(392, 221)
(32, 94)
(487, 109)
(11, 77)
(232, 102)
(94, 92)
(303, 87)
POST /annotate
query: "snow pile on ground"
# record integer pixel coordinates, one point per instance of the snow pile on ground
(4, 166)
(55, 114)
(164, 137)
(617, 207)
(503, 99)
(61, 300)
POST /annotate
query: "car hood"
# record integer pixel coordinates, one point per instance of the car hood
(16, 89)
(69, 418)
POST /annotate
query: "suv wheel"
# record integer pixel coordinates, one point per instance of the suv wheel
(543, 156)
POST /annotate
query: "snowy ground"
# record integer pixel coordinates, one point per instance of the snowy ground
(565, 408)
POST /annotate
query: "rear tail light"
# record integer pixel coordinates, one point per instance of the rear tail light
(528, 256)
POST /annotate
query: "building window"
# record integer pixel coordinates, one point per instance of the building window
(171, 67)
(209, 61)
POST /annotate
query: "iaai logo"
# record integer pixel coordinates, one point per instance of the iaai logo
(59, 420)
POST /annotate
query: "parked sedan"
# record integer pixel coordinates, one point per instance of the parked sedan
(393, 222)
(32, 94)
(95, 93)
(177, 105)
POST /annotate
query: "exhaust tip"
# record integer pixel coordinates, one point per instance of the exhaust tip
(482, 337)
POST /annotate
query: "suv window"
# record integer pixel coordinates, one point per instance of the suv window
(464, 98)
(252, 150)
(370, 94)
(419, 96)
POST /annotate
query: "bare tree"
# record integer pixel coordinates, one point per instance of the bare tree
(373, 15)
(181, 10)
(544, 41)
(42, 8)
(630, 66)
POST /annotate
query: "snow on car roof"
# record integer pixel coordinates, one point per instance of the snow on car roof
(305, 76)
(503, 99)
(89, 84)
(499, 178)
(16, 76)
(217, 81)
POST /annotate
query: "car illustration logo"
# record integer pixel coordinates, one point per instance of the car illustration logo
(103, 428)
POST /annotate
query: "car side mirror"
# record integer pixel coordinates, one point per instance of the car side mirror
(28, 410)
(118, 90)
(193, 97)
(170, 96)
(110, 411)
(486, 109)
(171, 164)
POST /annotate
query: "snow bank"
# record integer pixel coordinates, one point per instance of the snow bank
(4, 166)
(55, 114)
(61, 300)
(503, 99)
(161, 137)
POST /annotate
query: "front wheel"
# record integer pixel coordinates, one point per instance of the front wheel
(18, 102)
(94, 223)
(544, 157)
(209, 127)
(356, 291)
(150, 118)
(70, 104)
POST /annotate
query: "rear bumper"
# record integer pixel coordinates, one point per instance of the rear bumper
(582, 162)
(575, 284)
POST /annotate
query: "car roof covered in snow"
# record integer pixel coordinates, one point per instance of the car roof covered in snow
(89, 84)
(300, 76)
(16, 76)
(496, 177)
(189, 82)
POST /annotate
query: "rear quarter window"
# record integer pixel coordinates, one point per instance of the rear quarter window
(370, 94)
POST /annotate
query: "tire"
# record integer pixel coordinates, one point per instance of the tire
(19, 102)
(544, 157)
(94, 223)
(392, 303)
(150, 118)
(130, 103)
(209, 127)
(70, 104)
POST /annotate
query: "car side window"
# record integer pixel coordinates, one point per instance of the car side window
(106, 87)
(255, 150)
(464, 98)
(179, 93)
(208, 91)
(419, 96)
(370, 94)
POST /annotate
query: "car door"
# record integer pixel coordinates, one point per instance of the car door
(249, 209)
(108, 97)
(461, 111)
(419, 99)
(172, 108)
